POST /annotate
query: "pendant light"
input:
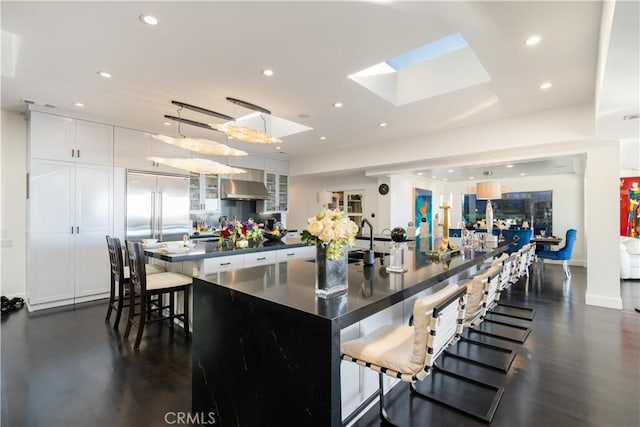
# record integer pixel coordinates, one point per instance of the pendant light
(200, 145)
(198, 165)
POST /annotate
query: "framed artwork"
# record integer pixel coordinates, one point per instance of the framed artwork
(422, 211)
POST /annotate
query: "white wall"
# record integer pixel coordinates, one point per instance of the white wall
(14, 212)
(402, 199)
(567, 203)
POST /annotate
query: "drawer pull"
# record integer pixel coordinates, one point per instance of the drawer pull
(261, 258)
(225, 263)
(291, 254)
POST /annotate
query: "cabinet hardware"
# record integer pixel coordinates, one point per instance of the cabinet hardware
(27, 185)
(292, 254)
(72, 229)
(73, 152)
(77, 229)
(261, 258)
(225, 263)
(78, 153)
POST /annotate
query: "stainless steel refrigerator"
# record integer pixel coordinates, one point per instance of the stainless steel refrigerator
(157, 206)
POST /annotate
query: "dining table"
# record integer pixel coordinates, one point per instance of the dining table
(545, 243)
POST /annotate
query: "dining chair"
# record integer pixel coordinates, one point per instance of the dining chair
(119, 289)
(409, 353)
(518, 237)
(146, 286)
(563, 254)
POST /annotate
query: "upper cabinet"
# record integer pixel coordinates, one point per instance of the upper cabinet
(203, 192)
(62, 138)
(133, 147)
(277, 182)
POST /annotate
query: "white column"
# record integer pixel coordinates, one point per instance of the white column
(601, 225)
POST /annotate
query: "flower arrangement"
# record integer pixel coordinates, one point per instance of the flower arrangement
(241, 230)
(330, 230)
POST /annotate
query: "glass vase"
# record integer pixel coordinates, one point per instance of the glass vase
(331, 275)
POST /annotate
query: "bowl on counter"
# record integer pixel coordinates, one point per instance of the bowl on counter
(269, 235)
(149, 242)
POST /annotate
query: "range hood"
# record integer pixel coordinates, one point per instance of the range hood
(234, 189)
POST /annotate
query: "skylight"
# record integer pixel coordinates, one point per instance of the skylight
(445, 65)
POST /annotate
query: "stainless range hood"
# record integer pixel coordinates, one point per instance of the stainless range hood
(233, 189)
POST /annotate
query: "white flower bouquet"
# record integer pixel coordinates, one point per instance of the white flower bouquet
(331, 230)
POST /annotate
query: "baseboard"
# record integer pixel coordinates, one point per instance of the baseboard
(607, 302)
(572, 262)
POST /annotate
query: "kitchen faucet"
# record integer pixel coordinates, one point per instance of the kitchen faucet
(370, 254)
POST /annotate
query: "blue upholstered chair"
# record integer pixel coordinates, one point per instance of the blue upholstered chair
(563, 254)
(455, 232)
(519, 238)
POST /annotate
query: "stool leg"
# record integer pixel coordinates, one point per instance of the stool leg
(185, 312)
(172, 309)
(565, 266)
(143, 319)
(120, 306)
(111, 300)
(132, 311)
(383, 412)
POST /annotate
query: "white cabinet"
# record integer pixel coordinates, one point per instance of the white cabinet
(72, 140)
(259, 258)
(203, 192)
(222, 263)
(278, 189)
(302, 252)
(70, 209)
(133, 147)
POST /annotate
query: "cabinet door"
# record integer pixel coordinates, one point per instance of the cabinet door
(283, 193)
(51, 136)
(270, 181)
(195, 193)
(131, 148)
(94, 143)
(259, 258)
(210, 194)
(222, 263)
(94, 220)
(50, 275)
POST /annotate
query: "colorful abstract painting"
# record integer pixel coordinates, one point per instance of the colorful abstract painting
(422, 211)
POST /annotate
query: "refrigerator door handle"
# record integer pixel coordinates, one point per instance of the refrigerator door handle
(160, 221)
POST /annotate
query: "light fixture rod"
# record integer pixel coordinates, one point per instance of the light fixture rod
(203, 110)
(248, 105)
(190, 122)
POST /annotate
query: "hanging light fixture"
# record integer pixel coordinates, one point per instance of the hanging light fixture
(202, 146)
(246, 134)
(198, 165)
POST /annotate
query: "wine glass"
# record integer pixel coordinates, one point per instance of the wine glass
(543, 232)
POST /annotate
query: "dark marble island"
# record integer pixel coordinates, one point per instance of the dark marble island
(266, 349)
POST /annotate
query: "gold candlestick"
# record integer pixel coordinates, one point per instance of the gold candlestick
(445, 228)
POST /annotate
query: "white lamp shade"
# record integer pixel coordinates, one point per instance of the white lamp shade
(324, 197)
(488, 190)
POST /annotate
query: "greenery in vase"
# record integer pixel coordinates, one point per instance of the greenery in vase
(331, 230)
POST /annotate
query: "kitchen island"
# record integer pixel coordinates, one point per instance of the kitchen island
(266, 350)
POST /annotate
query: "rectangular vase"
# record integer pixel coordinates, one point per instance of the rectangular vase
(331, 275)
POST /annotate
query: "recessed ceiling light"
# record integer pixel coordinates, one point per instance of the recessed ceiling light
(533, 40)
(277, 148)
(433, 177)
(545, 86)
(303, 116)
(509, 166)
(444, 179)
(522, 174)
(420, 173)
(383, 124)
(450, 171)
(267, 72)
(149, 20)
(322, 138)
(104, 74)
(78, 104)
(167, 124)
(471, 177)
(337, 104)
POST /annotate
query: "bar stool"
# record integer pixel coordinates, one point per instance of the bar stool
(408, 353)
(481, 293)
(146, 286)
(119, 293)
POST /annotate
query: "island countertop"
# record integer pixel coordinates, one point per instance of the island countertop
(371, 288)
(204, 250)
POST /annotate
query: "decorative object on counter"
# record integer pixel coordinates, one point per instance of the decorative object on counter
(331, 232)
(488, 190)
(398, 234)
(445, 250)
(240, 233)
(276, 234)
(396, 262)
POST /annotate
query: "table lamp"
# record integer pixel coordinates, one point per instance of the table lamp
(488, 190)
(324, 198)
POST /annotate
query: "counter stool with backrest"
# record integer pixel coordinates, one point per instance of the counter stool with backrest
(482, 290)
(146, 286)
(119, 294)
(563, 254)
(408, 353)
(502, 308)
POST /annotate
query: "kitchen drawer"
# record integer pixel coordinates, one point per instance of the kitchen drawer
(259, 258)
(231, 262)
(303, 252)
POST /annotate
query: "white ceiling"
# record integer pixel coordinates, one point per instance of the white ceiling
(203, 52)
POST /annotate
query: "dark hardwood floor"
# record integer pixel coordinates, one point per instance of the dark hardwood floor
(580, 366)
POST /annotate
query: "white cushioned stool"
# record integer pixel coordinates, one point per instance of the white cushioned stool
(409, 352)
